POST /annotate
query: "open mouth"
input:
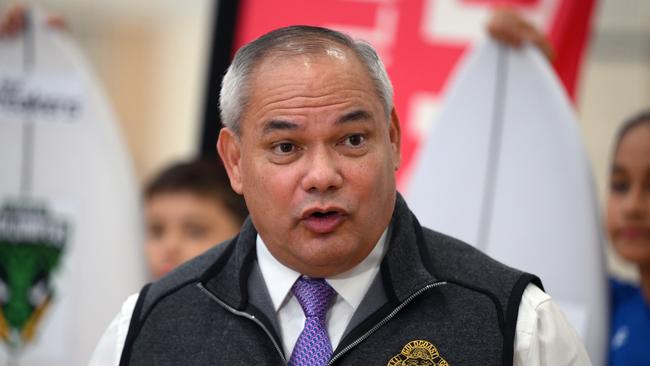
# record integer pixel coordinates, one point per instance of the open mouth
(323, 221)
(319, 214)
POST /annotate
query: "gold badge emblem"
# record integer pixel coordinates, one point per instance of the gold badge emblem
(418, 353)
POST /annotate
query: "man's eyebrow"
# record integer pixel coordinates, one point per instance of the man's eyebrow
(358, 115)
(278, 124)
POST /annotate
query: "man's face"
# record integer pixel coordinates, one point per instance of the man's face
(315, 160)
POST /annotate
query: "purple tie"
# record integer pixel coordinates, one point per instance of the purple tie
(313, 347)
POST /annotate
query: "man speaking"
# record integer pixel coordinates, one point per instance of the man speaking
(331, 267)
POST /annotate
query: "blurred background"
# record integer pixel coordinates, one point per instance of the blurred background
(152, 58)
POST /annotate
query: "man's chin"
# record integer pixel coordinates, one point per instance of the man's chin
(325, 263)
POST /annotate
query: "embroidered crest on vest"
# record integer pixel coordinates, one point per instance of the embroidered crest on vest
(418, 352)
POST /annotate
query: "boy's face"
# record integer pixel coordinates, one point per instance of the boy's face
(182, 225)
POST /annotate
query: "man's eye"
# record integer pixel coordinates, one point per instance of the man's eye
(284, 148)
(355, 140)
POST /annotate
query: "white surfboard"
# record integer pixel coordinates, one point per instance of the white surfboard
(504, 169)
(70, 228)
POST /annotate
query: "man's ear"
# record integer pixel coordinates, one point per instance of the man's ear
(229, 148)
(395, 135)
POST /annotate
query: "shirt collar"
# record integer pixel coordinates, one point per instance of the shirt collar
(351, 286)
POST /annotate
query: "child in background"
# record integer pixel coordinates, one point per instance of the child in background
(628, 225)
(189, 207)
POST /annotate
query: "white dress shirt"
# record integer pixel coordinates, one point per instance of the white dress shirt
(350, 288)
(543, 335)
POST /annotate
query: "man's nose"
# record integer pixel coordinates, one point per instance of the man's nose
(322, 172)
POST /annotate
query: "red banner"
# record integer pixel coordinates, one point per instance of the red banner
(421, 41)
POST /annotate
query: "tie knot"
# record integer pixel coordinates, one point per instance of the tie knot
(314, 295)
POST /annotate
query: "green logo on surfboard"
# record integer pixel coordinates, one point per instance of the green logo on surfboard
(32, 240)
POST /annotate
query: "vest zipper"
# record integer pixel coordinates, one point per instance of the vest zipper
(244, 315)
(385, 320)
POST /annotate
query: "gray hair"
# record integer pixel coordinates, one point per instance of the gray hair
(293, 40)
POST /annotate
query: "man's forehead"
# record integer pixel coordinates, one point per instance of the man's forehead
(303, 69)
(307, 46)
(334, 66)
(330, 54)
(331, 68)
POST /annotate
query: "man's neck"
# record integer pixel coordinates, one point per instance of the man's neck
(279, 278)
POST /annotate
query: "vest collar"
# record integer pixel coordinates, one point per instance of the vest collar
(227, 278)
(406, 268)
